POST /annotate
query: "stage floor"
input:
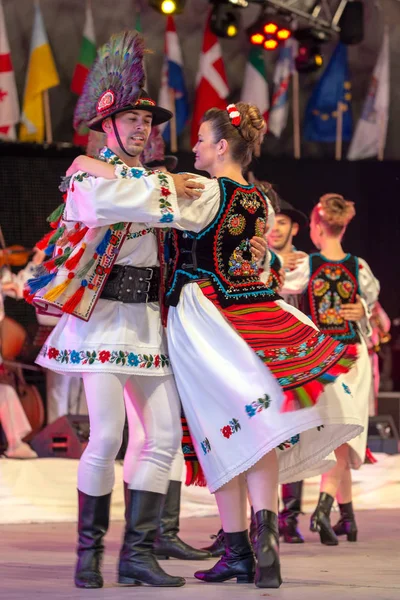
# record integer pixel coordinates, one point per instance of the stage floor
(44, 491)
(36, 561)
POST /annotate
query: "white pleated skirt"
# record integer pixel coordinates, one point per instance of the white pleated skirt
(233, 403)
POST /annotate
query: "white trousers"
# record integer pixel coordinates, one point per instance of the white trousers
(156, 403)
(12, 417)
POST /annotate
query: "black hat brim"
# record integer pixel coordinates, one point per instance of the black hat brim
(160, 115)
(295, 215)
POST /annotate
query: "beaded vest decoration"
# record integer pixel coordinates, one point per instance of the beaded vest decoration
(221, 252)
(332, 284)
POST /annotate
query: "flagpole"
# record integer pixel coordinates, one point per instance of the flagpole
(382, 136)
(339, 131)
(174, 140)
(47, 117)
(296, 114)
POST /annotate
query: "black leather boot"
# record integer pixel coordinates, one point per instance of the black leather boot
(93, 521)
(137, 563)
(253, 529)
(291, 497)
(217, 548)
(167, 543)
(320, 520)
(237, 561)
(268, 570)
(347, 523)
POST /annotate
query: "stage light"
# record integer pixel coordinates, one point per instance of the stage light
(309, 57)
(270, 44)
(283, 34)
(257, 39)
(272, 28)
(224, 20)
(241, 3)
(168, 7)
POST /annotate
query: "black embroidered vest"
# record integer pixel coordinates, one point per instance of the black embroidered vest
(222, 252)
(332, 283)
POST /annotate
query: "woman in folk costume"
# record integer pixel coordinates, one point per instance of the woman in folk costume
(232, 342)
(103, 279)
(339, 292)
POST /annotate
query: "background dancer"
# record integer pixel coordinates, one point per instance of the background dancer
(339, 291)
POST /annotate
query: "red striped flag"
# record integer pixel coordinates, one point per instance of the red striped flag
(9, 107)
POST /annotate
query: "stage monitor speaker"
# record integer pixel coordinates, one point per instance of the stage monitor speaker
(383, 435)
(389, 404)
(67, 437)
(351, 23)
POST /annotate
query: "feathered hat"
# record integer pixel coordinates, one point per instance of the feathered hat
(115, 84)
(153, 155)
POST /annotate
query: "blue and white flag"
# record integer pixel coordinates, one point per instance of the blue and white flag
(173, 93)
(284, 68)
(370, 134)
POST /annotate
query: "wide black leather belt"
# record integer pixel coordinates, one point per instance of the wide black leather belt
(132, 284)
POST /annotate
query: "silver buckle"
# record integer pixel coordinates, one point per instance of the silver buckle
(151, 276)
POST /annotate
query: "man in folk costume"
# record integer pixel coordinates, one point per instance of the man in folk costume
(103, 277)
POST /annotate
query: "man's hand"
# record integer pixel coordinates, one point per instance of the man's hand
(97, 168)
(353, 312)
(291, 260)
(186, 186)
(258, 247)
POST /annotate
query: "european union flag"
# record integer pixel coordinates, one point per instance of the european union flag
(333, 87)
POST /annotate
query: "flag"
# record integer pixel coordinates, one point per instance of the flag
(255, 84)
(9, 108)
(212, 86)
(172, 78)
(370, 134)
(333, 87)
(87, 55)
(284, 68)
(42, 75)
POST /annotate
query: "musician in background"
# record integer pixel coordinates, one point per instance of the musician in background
(64, 393)
(12, 417)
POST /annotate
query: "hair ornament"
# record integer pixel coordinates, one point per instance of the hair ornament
(234, 115)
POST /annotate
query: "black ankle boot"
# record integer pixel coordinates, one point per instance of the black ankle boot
(237, 561)
(253, 529)
(347, 523)
(268, 570)
(137, 563)
(320, 520)
(217, 548)
(167, 543)
(93, 521)
(291, 497)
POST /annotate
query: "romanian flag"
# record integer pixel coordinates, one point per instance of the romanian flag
(87, 56)
(42, 75)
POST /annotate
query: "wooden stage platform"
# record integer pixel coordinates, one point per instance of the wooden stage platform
(36, 562)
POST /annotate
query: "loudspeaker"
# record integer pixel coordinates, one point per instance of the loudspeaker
(383, 435)
(67, 437)
(389, 404)
(351, 23)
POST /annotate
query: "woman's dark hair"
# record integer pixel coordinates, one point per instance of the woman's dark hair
(245, 138)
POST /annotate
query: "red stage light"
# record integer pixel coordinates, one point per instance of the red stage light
(257, 39)
(271, 28)
(283, 34)
(270, 44)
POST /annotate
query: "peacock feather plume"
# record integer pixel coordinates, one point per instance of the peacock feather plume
(118, 67)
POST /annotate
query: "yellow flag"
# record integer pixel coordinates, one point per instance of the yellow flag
(42, 75)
